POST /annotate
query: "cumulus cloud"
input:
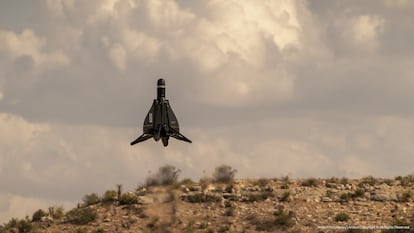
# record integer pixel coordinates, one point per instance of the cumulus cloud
(364, 31)
(298, 88)
(28, 44)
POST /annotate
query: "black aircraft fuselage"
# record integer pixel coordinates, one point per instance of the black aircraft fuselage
(161, 122)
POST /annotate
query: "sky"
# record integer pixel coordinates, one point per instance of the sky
(301, 88)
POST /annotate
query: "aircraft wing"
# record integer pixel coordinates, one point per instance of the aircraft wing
(179, 136)
(149, 120)
(141, 138)
(172, 119)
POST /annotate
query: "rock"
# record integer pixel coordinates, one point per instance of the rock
(326, 199)
(145, 200)
(382, 197)
(331, 185)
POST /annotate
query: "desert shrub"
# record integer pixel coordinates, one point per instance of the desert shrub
(224, 174)
(166, 175)
(128, 199)
(187, 181)
(368, 180)
(283, 218)
(262, 182)
(332, 180)
(99, 230)
(342, 217)
(37, 216)
(329, 193)
(153, 222)
(406, 180)
(344, 180)
(358, 193)
(285, 179)
(406, 196)
(24, 226)
(81, 230)
(345, 197)
(109, 196)
(189, 228)
(284, 186)
(310, 182)
(90, 199)
(389, 182)
(229, 188)
(223, 228)
(13, 223)
(203, 198)
(230, 208)
(57, 212)
(285, 196)
(262, 196)
(81, 216)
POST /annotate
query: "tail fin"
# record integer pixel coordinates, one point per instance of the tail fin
(141, 138)
(181, 137)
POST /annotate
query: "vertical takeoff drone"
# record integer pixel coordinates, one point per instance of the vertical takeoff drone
(160, 122)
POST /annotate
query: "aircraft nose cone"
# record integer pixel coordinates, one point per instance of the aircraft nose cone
(161, 82)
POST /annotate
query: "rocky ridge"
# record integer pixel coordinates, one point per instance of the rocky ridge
(264, 205)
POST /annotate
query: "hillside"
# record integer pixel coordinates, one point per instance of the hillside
(272, 205)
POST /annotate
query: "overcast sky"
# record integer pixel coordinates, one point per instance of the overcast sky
(272, 88)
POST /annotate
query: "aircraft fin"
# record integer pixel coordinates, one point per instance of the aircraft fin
(179, 136)
(172, 119)
(142, 138)
(149, 119)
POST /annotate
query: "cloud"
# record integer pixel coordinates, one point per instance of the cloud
(305, 88)
(28, 44)
(365, 31)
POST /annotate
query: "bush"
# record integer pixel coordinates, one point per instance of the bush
(58, 212)
(187, 181)
(24, 226)
(369, 180)
(310, 182)
(344, 180)
(13, 222)
(99, 230)
(224, 174)
(333, 180)
(166, 175)
(230, 209)
(345, 197)
(358, 193)
(81, 216)
(284, 219)
(285, 196)
(202, 198)
(252, 197)
(342, 217)
(110, 196)
(128, 199)
(406, 196)
(262, 182)
(405, 180)
(90, 199)
(37, 216)
(284, 186)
